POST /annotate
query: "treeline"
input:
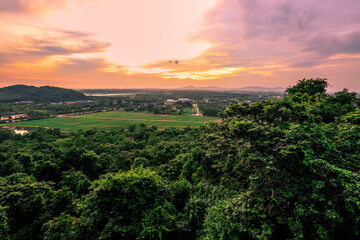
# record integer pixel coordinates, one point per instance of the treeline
(211, 109)
(139, 105)
(286, 169)
(45, 110)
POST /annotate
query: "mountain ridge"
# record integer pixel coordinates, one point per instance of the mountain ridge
(248, 88)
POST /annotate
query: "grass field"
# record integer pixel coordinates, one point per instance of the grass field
(116, 120)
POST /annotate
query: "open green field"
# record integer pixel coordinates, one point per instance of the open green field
(116, 120)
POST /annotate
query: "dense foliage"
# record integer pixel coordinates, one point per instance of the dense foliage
(211, 109)
(286, 169)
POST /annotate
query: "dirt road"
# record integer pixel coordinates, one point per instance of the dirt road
(197, 109)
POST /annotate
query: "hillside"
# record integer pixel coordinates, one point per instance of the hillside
(18, 93)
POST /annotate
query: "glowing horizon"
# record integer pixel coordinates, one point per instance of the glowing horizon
(134, 44)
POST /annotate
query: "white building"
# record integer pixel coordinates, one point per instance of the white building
(21, 132)
(183, 100)
(170, 101)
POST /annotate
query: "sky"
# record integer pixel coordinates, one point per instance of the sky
(177, 43)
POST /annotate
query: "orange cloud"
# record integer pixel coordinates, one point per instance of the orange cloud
(229, 43)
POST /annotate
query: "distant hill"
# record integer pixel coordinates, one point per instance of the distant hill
(262, 89)
(200, 88)
(248, 89)
(18, 93)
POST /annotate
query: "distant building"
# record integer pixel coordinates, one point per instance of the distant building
(183, 100)
(21, 132)
(19, 117)
(4, 119)
(21, 102)
(170, 101)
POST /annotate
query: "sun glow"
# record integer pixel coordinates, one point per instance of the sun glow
(204, 75)
(140, 32)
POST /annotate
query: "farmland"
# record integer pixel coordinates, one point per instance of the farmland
(116, 120)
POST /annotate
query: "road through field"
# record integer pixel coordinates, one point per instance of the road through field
(197, 110)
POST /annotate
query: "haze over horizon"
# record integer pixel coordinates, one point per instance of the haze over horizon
(135, 44)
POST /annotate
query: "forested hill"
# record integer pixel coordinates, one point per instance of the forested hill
(18, 93)
(286, 169)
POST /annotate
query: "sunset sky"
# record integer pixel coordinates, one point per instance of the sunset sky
(135, 43)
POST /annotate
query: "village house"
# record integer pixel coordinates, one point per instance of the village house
(5, 119)
(19, 117)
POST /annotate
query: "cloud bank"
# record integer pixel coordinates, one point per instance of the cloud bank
(251, 42)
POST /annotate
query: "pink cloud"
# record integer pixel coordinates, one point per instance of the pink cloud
(33, 6)
(253, 31)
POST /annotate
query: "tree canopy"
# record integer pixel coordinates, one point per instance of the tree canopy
(308, 86)
(286, 169)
